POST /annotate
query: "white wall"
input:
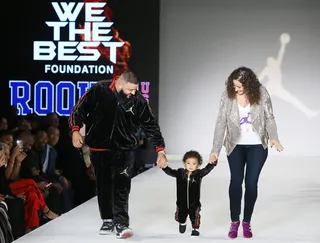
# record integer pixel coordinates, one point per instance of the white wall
(201, 42)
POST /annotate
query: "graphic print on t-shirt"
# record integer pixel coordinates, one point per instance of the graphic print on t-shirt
(248, 136)
(245, 120)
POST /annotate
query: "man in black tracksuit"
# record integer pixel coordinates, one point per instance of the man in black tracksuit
(188, 181)
(114, 114)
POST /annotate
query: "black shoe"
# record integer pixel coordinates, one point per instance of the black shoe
(123, 231)
(182, 228)
(195, 232)
(107, 228)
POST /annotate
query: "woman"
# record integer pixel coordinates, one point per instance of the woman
(246, 115)
(15, 204)
(26, 189)
(6, 235)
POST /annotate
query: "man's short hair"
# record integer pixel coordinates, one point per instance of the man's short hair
(129, 77)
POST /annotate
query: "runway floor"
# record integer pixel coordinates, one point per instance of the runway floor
(287, 210)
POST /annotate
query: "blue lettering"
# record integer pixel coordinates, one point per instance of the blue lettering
(82, 87)
(59, 98)
(20, 101)
(39, 87)
(92, 83)
(70, 89)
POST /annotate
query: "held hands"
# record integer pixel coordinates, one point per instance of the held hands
(276, 143)
(213, 158)
(162, 161)
(77, 139)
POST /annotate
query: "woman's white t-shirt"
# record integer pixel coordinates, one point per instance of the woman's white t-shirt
(248, 136)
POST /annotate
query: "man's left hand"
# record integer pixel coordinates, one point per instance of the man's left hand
(162, 161)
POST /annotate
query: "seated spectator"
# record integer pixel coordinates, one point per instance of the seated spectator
(12, 117)
(39, 167)
(51, 119)
(3, 123)
(26, 139)
(75, 165)
(25, 189)
(6, 235)
(6, 137)
(23, 124)
(15, 207)
(33, 121)
(32, 168)
(53, 172)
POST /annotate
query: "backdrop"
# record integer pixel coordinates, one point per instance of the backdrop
(203, 41)
(57, 49)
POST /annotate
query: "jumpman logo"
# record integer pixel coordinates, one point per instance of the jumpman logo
(193, 180)
(245, 120)
(274, 84)
(130, 110)
(124, 172)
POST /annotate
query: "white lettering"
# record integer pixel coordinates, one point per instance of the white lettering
(84, 69)
(113, 49)
(86, 31)
(92, 33)
(63, 50)
(67, 13)
(56, 28)
(44, 50)
(93, 9)
(99, 30)
(89, 51)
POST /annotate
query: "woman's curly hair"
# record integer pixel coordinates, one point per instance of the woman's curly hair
(249, 81)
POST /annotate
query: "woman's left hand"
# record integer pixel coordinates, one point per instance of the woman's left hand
(276, 144)
(22, 196)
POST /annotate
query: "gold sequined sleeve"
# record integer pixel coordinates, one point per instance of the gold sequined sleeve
(271, 125)
(221, 123)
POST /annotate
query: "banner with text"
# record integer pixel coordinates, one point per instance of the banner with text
(64, 47)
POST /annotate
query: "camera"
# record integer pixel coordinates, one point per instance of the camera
(20, 143)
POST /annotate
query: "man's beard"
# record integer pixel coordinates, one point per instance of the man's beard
(123, 97)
